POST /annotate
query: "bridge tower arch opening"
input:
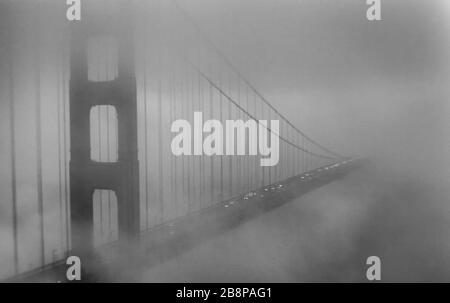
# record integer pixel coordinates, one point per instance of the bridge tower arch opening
(105, 217)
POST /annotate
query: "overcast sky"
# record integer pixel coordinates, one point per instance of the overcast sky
(355, 85)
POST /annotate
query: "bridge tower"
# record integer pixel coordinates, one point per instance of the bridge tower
(86, 175)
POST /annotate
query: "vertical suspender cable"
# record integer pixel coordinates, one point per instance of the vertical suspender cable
(13, 147)
(145, 131)
(58, 106)
(39, 140)
(66, 172)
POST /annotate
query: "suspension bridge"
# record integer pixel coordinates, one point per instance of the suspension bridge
(86, 114)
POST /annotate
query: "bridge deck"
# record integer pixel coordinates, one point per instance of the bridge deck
(171, 239)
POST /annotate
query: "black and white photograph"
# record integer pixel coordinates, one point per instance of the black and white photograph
(233, 143)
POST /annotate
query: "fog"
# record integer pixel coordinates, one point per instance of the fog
(373, 89)
(366, 88)
(376, 90)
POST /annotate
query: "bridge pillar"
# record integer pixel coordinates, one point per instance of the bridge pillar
(86, 175)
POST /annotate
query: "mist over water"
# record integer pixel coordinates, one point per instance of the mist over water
(365, 89)
(328, 234)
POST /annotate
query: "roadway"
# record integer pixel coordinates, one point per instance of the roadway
(327, 234)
